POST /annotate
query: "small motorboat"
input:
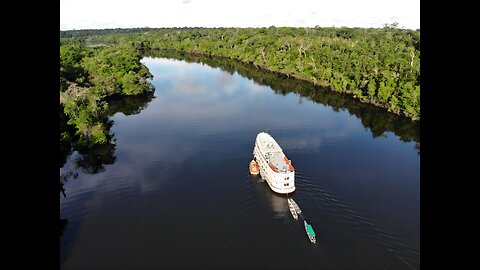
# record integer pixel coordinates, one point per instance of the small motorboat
(292, 209)
(254, 167)
(310, 232)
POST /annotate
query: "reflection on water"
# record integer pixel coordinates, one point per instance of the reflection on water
(129, 105)
(92, 160)
(375, 119)
(63, 224)
(174, 183)
(278, 202)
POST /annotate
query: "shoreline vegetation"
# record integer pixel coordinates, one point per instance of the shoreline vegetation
(380, 66)
(372, 117)
(88, 76)
(101, 74)
(95, 83)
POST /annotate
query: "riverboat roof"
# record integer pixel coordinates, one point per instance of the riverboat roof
(272, 151)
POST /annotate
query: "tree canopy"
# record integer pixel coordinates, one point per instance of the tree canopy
(87, 76)
(377, 66)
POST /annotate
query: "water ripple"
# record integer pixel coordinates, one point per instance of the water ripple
(321, 197)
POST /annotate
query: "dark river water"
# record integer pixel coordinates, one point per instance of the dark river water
(174, 190)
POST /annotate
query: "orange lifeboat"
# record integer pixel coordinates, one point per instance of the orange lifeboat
(253, 167)
(289, 163)
(273, 167)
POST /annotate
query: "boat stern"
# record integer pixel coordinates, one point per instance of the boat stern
(283, 182)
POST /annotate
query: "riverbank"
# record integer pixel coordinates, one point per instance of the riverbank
(372, 117)
(359, 181)
(376, 66)
(316, 83)
(87, 76)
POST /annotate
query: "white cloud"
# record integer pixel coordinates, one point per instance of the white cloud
(100, 14)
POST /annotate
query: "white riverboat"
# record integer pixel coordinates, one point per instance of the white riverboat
(274, 166)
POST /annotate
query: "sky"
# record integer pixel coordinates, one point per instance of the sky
(102, 14)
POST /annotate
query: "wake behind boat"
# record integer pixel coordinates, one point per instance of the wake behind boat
(274, 166)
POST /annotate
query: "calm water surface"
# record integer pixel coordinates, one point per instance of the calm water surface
(174, 191)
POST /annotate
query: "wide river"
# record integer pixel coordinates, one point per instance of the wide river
(174, 191)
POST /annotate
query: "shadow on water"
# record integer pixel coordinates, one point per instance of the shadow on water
(377, 120)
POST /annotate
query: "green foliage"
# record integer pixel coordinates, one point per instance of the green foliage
(87, 76)
(71, 53)
(372, 117)
(371, 90)
(372, 64)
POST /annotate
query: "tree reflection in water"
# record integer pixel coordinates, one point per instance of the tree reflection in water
(376, 119)
(92, 159)
(63, 224)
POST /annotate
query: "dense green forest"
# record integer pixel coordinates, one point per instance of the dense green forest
(101, 74)
(95, 83)
(372, 117)
(88, 75)
(377, 66)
